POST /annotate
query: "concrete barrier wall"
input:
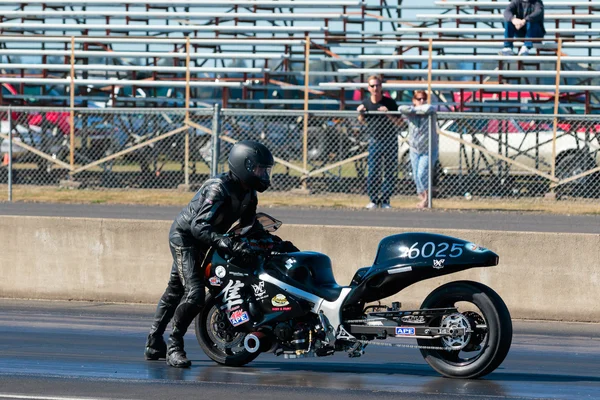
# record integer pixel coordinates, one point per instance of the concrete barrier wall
(541, 275)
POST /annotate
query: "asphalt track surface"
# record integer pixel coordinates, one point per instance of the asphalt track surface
(424, 219)
(79, 350)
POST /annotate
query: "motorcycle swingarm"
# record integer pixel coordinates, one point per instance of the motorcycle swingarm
(422, 316)
(415, 332)
(406, 323)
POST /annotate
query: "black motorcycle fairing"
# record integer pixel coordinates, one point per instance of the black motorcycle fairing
(246, 298)
(408, 258)
(404, 248)
(307, 270)
(269, 303)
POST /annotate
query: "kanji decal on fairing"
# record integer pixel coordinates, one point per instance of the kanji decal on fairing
(231, 294)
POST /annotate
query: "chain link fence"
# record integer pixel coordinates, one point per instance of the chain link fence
(326, 152)
(505, 155)
(106, 148)
(483, 155)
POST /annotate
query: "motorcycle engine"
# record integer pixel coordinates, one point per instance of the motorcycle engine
(283, 332)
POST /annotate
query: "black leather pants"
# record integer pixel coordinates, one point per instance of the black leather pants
(184, 296)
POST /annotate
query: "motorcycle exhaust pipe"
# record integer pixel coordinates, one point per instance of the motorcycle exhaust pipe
(256, 342)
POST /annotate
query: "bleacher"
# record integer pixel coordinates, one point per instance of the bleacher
(253, 53)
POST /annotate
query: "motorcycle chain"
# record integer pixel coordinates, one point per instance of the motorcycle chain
(408, 346)
(362, 321)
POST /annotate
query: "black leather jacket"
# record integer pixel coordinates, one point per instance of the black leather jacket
(219, 203)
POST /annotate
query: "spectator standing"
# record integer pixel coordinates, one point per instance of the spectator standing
(383, 144)
(421, 120)
(523, 19)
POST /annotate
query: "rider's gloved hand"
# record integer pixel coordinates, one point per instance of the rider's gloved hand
(233, 247)
(242, 248)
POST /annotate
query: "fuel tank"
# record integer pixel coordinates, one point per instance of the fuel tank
(406, 258)
(307, 270)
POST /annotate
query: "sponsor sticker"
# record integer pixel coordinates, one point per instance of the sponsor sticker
(289, 263)
(280, 301)
(281, 309)
(439, 264)
(238, 317)
(259, 290)
(413, 319)
(405, 331)
(214, 281)
(220, 271)
(475, 248)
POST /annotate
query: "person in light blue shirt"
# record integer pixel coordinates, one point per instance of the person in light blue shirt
(421, 119)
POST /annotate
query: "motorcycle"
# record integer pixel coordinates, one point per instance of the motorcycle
(290, 303)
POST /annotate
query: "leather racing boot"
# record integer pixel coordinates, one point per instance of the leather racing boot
(155, 347)
(176, 356)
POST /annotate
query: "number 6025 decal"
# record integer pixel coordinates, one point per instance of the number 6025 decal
(430, 249)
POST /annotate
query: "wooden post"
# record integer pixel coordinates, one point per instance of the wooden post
(72, 111)
(429, 65)
(306, 80)
(187, 111)
(556, 102)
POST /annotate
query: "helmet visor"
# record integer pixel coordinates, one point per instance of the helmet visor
(263, 172)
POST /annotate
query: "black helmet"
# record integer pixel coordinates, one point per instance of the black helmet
(251, 163)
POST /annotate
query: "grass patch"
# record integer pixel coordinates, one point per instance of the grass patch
(164, 197)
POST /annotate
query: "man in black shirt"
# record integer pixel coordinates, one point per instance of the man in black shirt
(383, 144)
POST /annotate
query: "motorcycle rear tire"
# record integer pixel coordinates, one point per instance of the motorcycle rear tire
(211, 349)
(499, 330)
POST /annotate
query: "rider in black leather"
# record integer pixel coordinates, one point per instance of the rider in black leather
(219, 203)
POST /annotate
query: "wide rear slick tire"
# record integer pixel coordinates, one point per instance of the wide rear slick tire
(494, 346)
(226, 352)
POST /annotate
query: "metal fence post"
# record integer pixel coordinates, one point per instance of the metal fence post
(72, 109)
(10, 128)
(187, 112)
(216, 141)
(305, 126)
(429, 123)
(430, 161)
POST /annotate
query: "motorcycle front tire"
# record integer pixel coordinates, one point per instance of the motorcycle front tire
(210, 318)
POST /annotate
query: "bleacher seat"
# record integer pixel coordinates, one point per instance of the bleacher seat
(247, 50)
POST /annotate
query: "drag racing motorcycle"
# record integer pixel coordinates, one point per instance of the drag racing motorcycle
(289, 304)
